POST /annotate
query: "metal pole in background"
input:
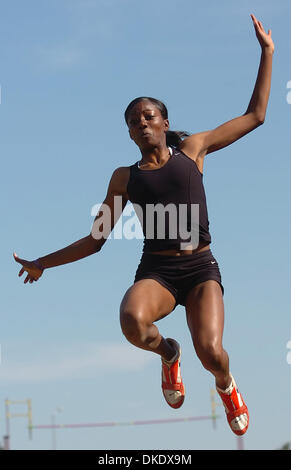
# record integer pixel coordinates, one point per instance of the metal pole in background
(54, 427)
(7, 436)
(214, 405)
(29, 415)
(8, 415)
(240, 443)
(54, 437)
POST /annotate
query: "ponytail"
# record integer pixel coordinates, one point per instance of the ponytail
(175, 138)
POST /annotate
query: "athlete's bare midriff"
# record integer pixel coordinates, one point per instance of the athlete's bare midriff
(202, 247)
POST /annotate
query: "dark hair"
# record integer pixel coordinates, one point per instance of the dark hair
(172, 137)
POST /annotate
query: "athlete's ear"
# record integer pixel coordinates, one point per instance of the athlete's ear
(167, 124)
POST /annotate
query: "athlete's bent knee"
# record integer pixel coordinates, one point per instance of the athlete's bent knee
(133, 326)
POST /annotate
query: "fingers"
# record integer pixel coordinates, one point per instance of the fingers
(19, 261)
(21, 272)
(261, 26)
(257, 23)
(30, 279)
(255, 20)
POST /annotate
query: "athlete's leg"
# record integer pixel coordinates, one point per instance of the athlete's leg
(144, 303)
(205, 318)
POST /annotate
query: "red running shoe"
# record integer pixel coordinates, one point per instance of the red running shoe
(172, 385)
(236, 410)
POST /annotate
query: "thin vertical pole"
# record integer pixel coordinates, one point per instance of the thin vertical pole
(214, 405)
(54, 433)
(29, 415)
(240, 443)
(7, 437)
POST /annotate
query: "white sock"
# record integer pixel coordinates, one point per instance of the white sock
(229, 389)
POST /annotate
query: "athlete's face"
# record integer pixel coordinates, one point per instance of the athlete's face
(147, 127)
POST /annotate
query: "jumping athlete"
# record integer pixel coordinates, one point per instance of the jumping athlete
(170, 171)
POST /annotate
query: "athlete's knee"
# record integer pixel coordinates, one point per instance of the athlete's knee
(211, 355)
(133, 325)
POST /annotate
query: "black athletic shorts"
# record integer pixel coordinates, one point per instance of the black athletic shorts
(179, 273)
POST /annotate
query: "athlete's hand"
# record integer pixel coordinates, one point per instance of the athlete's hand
(33, 271)
(264, 39)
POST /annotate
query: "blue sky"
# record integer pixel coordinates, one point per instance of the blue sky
(69, 69)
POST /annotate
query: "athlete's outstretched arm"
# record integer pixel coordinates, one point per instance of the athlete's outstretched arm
(206, 142)
(88, 245)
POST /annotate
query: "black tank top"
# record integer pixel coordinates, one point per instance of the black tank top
(178, 182)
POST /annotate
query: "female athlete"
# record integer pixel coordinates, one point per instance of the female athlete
(173, 270)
